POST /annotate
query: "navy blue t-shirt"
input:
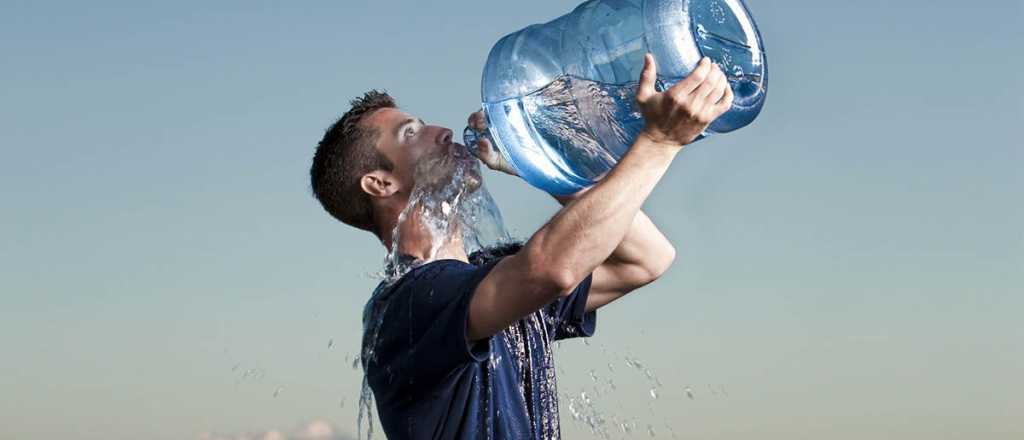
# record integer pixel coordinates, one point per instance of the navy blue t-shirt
(429, 383)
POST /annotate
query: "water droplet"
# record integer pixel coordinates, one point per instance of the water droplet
(654, 393)
(277, 392)
(330, 344)
(495, 360)
(365, 410)
(718, 12)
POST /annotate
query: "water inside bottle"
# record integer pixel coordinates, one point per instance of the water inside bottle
(557, 123)
(582, 127)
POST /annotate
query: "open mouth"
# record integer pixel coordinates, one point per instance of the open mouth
(460, 151)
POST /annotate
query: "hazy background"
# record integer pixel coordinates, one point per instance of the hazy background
(850, 266)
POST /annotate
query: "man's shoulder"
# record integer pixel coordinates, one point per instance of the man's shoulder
(448, 276)
(456, 271)
(424, 286)
(425, 276)
(433, 273)
(437, 268)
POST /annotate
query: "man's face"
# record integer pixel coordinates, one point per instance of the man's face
(420, 151)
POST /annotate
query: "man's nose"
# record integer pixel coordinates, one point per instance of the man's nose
(444, 137)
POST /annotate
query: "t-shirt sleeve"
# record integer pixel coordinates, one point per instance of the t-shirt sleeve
(423, 333)
(568, 315)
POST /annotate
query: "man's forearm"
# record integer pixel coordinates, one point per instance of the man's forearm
(588, 229)
(643, 243)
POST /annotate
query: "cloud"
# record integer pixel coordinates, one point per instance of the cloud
(315, 430)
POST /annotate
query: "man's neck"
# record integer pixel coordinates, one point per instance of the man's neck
(418, 244)
(416, 240)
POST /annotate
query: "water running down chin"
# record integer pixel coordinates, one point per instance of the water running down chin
(449, 205)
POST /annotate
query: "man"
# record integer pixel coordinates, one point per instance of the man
(460, 350)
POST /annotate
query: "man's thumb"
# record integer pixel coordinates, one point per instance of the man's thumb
(648, 76)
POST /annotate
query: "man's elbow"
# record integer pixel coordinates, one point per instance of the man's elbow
(657, 265)
(550, 279)
(561, 282)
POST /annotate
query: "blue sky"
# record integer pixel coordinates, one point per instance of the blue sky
(850, 265)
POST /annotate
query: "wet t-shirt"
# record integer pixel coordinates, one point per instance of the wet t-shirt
(429, 383)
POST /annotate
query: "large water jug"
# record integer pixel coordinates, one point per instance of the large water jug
(559, 96)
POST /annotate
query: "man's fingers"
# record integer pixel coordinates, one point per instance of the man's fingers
(726, 102)
(648, 77)
(693, 80)
(492, 158)
(699, 96)
(483, 147)
(711, 85)
(485, 152)
(719, 92)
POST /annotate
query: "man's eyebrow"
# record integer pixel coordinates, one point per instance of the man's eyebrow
(398, 131)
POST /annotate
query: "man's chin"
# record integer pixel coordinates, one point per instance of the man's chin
(450, 171)
(473, 179)
(470, 169)
(466, 176)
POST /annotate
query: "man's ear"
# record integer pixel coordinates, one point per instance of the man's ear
(379, 183)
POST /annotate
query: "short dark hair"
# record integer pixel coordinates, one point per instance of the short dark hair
(346, 153)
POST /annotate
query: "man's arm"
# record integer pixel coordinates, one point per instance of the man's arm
(642, 257)
(585, 233)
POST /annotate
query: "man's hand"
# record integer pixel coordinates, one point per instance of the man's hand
(678, 115)
(483, 149)
(492, 158)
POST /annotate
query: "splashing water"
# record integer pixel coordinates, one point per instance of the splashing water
(596, 413)
(365, 411)
(450, 210)
(583, 410)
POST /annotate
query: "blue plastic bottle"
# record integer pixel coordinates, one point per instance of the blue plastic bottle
(559, 96)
